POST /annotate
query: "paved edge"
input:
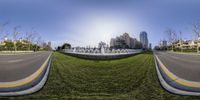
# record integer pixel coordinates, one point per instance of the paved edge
(183, 53)
(170, 88)
(14, 54)
(34, 88)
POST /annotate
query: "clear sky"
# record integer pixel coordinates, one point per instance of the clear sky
(87, 22)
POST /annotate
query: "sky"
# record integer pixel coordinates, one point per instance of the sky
(87, 22)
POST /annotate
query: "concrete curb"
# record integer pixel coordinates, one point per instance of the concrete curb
(166, 84)
(101, 57)
(31, 89)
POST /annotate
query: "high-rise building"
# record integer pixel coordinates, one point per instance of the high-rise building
(123, 42)
(163, 43)
(126, 39)
(112, 42)
(150, 47)
(49, 44)
(144, 39)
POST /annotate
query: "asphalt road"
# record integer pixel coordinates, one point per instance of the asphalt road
(182, 65)
(16, 67)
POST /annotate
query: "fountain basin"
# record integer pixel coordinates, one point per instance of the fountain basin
(99, 56)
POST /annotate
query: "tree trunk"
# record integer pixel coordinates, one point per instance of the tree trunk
(181, 46)
(197, 47)
(15, 46)
(29, 47)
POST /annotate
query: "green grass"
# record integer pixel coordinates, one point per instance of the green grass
(132, 78)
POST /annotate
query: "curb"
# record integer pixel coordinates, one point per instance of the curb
(172, 86)
(34, 86)
(101, 57)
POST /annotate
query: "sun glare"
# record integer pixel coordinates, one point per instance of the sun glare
(98, 28)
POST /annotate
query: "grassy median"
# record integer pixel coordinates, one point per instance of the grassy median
(131, 78)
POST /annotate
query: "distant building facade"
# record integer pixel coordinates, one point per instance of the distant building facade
(187, 44)
(133, 42)
(150, 46)
(49, 44)
(163, 43)
(144, 39)
(123, 42)
(46, 46)
(180, 44)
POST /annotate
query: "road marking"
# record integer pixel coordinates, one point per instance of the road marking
(17, 60)
(176, 78)
(27, 79)
(12, 61)
(169, 87)
(14, 54)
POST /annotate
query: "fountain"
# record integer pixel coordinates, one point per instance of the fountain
(102, 50)
(100, 53)
(74, 51)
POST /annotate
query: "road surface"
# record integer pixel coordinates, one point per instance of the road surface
(185, 66)
(16, 67)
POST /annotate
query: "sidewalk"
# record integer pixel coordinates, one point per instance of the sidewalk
(186, 53)
(17, 52)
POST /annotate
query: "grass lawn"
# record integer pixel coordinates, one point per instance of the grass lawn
(131, 78)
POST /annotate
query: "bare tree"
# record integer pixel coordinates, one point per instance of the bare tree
(196, 32)
(181, 41)
(30, 36)
(38, 41)
(2, 30)
(28, 39)
(172, 37)
(15, 35)
(5, 35)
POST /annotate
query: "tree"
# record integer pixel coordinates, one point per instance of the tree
(38, 42)
(35, 47)
(9, 45)
(19, 45)
(15, 34)
(196, 32)
(138, 45)
(172, 37)
(58, 48)
(2, 30)
(30, 36)
(66, 46)
(181, 41)
(2, 26)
